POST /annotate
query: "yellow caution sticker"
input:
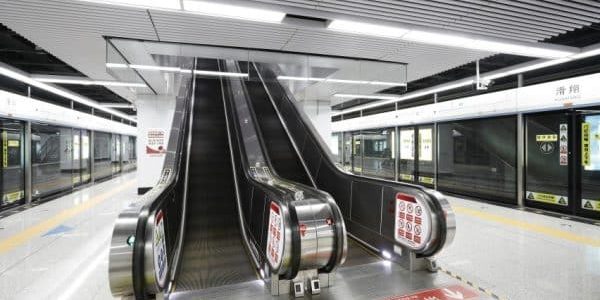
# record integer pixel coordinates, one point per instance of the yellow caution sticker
(590, 204)
(427, 180)
(546, 138)
(407, 177)
(586, 158)
(13, 197)
(548, 198)
(4, 149)
(14, 143)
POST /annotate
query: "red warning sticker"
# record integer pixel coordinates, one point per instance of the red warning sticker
(412, 224)
(275, 235)
(453, 292)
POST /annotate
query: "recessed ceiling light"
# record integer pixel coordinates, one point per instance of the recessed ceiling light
(366, 28)
(86, 81)
(233, 11)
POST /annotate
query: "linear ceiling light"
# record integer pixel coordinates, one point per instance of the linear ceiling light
(87, 82)
(445, 39)
(118, 105)
(233, 11)
(162, 4)
(72, 96)
(219, 74)
(332, 80)
(176, 70)
(367, 29)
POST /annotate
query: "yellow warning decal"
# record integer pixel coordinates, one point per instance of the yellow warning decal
(586, 159)
(13, 197)
(590, 204)
(14, 143)
(407, 177)
(546, 138)
(427, 180)
(4, 149)
(548, 198)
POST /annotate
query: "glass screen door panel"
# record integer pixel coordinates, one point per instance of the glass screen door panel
(347, 153)
(76, 157)
(379, 157)
(406, 161)
(547, 162)
(85, 157)
(589, 205)
(426, 154)
(12, 181)
(357, 158)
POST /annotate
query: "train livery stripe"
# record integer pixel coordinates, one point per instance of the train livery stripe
(556, 233)
(41, 227)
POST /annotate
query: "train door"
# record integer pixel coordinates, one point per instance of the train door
(588, 204)
(406, 161)
(76, 160)
(12, 180)
(548, 155)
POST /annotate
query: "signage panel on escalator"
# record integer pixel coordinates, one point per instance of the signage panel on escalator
(275, 236)
(413, 223)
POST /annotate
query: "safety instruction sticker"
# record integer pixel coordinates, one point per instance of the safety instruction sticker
(4, 149)
(546, 138)
(427, 180)
(275, 236)
(548, 198)
(563, 143)
(412, 224)
(590, 204)
(586, 157)
(407, 177)
(160, 249)
(13, 197)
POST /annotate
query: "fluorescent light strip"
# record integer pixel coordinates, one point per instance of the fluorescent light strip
(176, 70)
(30, 81)
(332, 80)
(88, 82)
(219, 74)
(161, 4)
(447, 39)
(233, 11)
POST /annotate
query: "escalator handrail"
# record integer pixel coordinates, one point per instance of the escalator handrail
(435, 199)
(133, 221)
(281, 188)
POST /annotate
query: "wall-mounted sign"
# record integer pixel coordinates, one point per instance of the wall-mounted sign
(567, 92)
(563, 157)
(155, 142)
(275, 235)
(593, 133)
(160, 249)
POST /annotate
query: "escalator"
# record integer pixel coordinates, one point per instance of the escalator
(219, 215)
(213, 251)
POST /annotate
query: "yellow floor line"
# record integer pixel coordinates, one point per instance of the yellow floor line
(39, 228)
(557, 233)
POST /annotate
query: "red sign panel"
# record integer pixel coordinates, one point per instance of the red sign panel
(453, 292)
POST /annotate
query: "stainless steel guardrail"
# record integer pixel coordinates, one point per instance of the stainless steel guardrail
(403, 222)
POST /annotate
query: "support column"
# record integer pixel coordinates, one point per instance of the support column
(92, 146)
(436, 149)
(27, 161)
(520, 151)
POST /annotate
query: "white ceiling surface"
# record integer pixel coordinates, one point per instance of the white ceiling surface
(73, 30)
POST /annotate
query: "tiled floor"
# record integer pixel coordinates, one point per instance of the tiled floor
(523, 255)
(59, 249)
